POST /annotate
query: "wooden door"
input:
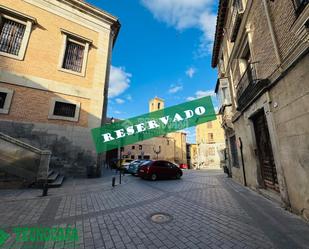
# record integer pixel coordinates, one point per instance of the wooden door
(265, 152)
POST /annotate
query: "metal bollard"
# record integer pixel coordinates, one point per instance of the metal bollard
(45, 189)
(113, 181)
(119, 176)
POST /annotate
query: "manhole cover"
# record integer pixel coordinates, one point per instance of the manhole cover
(160, 218)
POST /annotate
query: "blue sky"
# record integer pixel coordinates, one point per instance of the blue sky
(163, 49)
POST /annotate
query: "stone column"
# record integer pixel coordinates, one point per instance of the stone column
(44, 166)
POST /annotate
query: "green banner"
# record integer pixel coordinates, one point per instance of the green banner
(153, 124)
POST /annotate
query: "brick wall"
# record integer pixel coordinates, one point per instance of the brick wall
(31, 105)
(44, 47)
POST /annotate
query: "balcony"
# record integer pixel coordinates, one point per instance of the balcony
(237, 15)
(249, 86)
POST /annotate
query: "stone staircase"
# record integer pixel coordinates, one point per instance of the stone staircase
(24, 165)
(55, 179)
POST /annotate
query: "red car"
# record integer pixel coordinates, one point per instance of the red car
(159, 169)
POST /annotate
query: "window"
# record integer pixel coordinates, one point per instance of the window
(15, 29)
(5, 100)
(74, 53)
(300, 5)
(133, 147)
(140, 147)
(234, 152)
(11, 36)
(209, 124)
(224, 92)
(73, 57)
(159, 104)
(132, 156)
(210, 136)
(63, 109)
(2, 99)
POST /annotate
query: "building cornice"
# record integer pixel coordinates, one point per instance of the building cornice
(221, 17)
(97, 13)
(79, 9)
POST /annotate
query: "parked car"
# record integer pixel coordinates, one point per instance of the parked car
(183, 166)
(135, 165)
(124, 164)
(159, 169)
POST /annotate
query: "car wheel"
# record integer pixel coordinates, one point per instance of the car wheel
(178, 175)
(153, 177)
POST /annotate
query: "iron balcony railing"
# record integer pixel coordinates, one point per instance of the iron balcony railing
(249, 86)
(248, 77)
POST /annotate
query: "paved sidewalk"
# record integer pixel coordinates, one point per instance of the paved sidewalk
(206, 210)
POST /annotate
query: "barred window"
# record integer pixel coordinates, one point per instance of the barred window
(64, 109)
(3, 96)
(74, 56)
(11, 36)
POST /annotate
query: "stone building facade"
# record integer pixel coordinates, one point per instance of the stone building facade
(210, 144)
(157, 148)
(54, 69)
(261, 52)
(172, 146)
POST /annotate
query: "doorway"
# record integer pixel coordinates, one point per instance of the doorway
(265, 152)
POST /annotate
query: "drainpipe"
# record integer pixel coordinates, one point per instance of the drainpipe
(242, 161)
(272, 34)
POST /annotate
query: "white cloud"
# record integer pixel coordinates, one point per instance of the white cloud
(175, 89)
(117, 112)
(190, 72)
(200, 94)
(184, 14)
(119, 101)
(119, 81)
(129, 97)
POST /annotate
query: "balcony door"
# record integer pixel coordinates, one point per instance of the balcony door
(265, 153)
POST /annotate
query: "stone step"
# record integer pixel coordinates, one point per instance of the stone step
(50, 171)
(57, 183)
(53, 176)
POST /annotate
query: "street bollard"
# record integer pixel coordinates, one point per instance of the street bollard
(119, 176)
(45, 189)
(113, 181)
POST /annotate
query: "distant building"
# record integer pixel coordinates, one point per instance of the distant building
(171, 147)
(155, 148)
(210, 144)
(192, 156)
(54, 69)
(261, 53)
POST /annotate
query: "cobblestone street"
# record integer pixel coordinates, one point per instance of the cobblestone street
(206, 210)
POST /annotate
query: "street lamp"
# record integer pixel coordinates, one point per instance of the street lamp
(157, 151)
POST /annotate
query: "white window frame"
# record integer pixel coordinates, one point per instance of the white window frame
(69, 36)
(223, 83)
(52, 108)
(8, 100)
(18, 17)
